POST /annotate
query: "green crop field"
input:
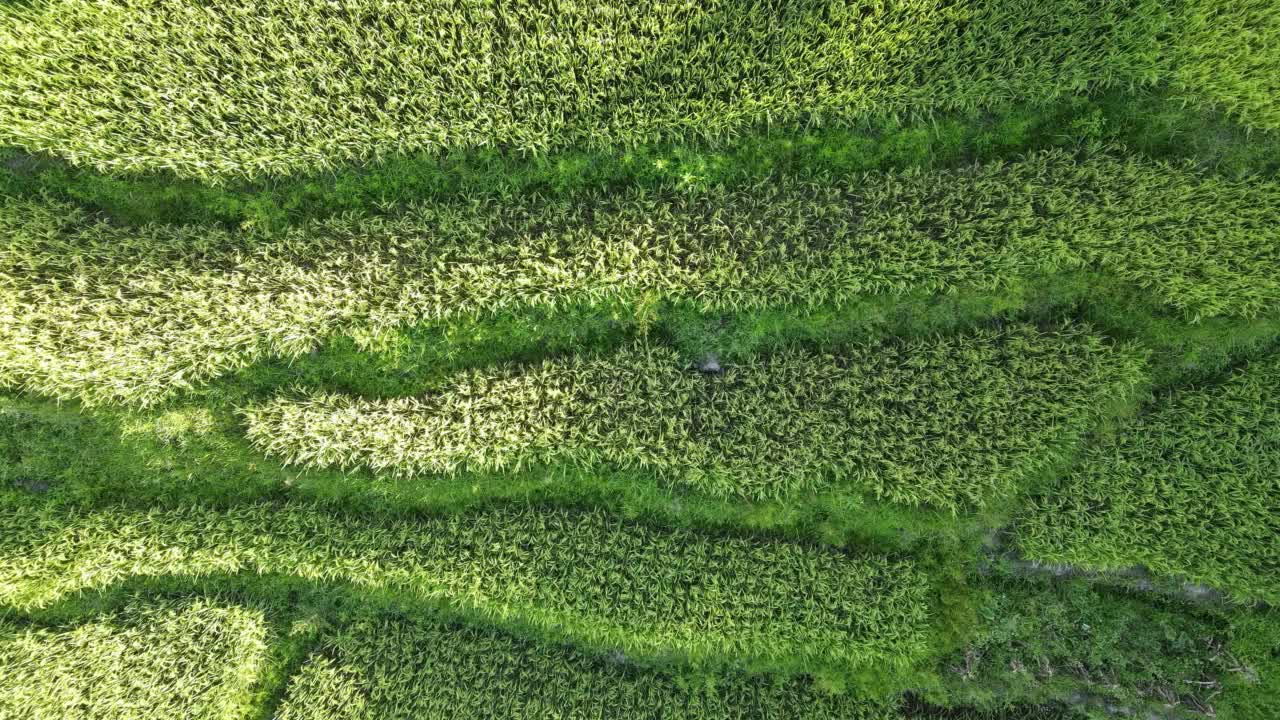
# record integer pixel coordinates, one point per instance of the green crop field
(667, 360)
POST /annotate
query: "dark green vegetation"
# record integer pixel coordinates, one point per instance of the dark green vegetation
(565, 576)
(875, 361)
(485, 675)
(1191, 488)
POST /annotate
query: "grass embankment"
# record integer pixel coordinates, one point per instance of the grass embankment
(184, 86)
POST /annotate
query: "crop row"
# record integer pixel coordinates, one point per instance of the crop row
(400, 669)
(568, 576)
(103, 313)
(160, 657)
(947, 422)
(189, 86)
(1041, 643)
(1190, 489)
(153, 661)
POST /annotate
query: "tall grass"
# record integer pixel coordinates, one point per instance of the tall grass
(1043, 639)
(190, 86)
(103, 314)
(951, 423)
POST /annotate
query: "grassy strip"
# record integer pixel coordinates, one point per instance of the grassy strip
(1150, 123)
(424, 358)
(394, 668)
(1188, 489)
(159, 660)
(186, 87)
(109, 314)
(664, 595)
(950, 423)
(1251, 689)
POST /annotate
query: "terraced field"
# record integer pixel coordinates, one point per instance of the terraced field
(739, 360)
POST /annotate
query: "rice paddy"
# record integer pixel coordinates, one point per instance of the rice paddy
(732, 360)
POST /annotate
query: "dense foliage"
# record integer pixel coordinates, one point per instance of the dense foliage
(152, 661)
(190, 86)
(1191, 488)
(102, 313)
(722, 360)
(581, 576)
(1043, 639)
(945, 422)
(375, 669)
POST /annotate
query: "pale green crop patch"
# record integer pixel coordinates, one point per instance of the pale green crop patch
(190, 86)
(195, 660)
(951, 423)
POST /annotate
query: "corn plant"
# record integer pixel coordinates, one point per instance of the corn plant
(947, 422)
(189, 85)
(377, 668)
(566, 576)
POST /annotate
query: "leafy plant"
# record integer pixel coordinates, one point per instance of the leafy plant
(189, 87)
(377, 667)
(108, 314)
(558, 575)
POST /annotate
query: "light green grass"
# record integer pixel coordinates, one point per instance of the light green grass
(101, 313)
(188, 86)
(155, 661)
(951, 423)
(561, 575)
(1191, 488)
